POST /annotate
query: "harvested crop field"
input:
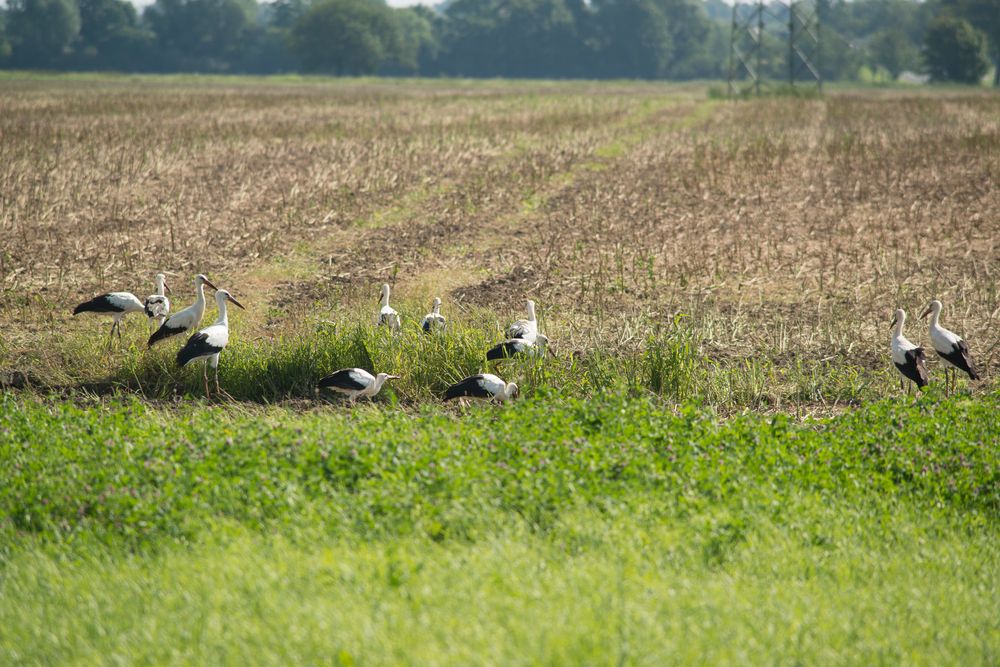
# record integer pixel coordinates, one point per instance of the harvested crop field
(785, 230)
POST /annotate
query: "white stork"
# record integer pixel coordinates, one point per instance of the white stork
(184, 320)
(434, 320)
(907, 357)
(525, 329)
(157, 304)
(119, 304)
(518, 347)
(486, 386)
(356, 382)
(949, 347)
(210, 341)
(387, 316)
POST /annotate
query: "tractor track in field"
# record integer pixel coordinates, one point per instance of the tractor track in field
(457, 240)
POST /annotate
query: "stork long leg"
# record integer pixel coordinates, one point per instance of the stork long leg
(111, 336)
(204, 376)
(219, 391)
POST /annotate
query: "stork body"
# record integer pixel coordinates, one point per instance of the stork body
(525, 329)
(207, 344)
(185, 320)
(117, 304)
(433, 321)
(355, 383)
(950, 347)
(518, 347)
(157, 305)
(486, 386)
(387, 316)
(907, 357)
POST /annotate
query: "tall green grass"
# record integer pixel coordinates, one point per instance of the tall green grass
(678, 361)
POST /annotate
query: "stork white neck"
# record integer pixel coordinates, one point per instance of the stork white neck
(531, 311)
(935, 313)
(159, 284)
(437, 307)
(199, 294)
(385, 295)
(900, 319)
(509, 390)
(220, 300)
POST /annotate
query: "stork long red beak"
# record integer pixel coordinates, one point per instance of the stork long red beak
(893, 323)
(925, 313)
(235, 302)
(392, 377)
(166, 287)
(209, 283)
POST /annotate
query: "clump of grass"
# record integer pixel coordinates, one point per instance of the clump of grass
(672, 362)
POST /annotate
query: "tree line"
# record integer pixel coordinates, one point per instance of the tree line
(648, 39)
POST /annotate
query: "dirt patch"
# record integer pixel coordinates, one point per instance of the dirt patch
(506, 292)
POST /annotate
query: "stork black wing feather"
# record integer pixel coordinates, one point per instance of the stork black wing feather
(960, 358)
(914, 368)
(342, 379)
(197, 346)
(471, 386)
(508, 348)
(162, 333)
(99, 304)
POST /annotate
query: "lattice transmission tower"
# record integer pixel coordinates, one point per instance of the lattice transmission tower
(750, 62)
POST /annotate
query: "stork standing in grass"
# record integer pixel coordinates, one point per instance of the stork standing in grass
(433, 321)
(208, 343)
(356, 382)
(950, 347)
(387, 316)
(157, 305)
(486, 386)
(518, 347)
(117, 304)
(185, 320)
(525, 329)
(907, 357)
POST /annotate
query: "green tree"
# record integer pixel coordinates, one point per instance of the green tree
(690, 36)
(110, 35)
(41, 31)
(985, 15)
(199, 35)
(955, 51)
(637, 39)
(892, 49)
(346, 37)
(419, 45)
(4, 41)
(514, 38)
(284, 13)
